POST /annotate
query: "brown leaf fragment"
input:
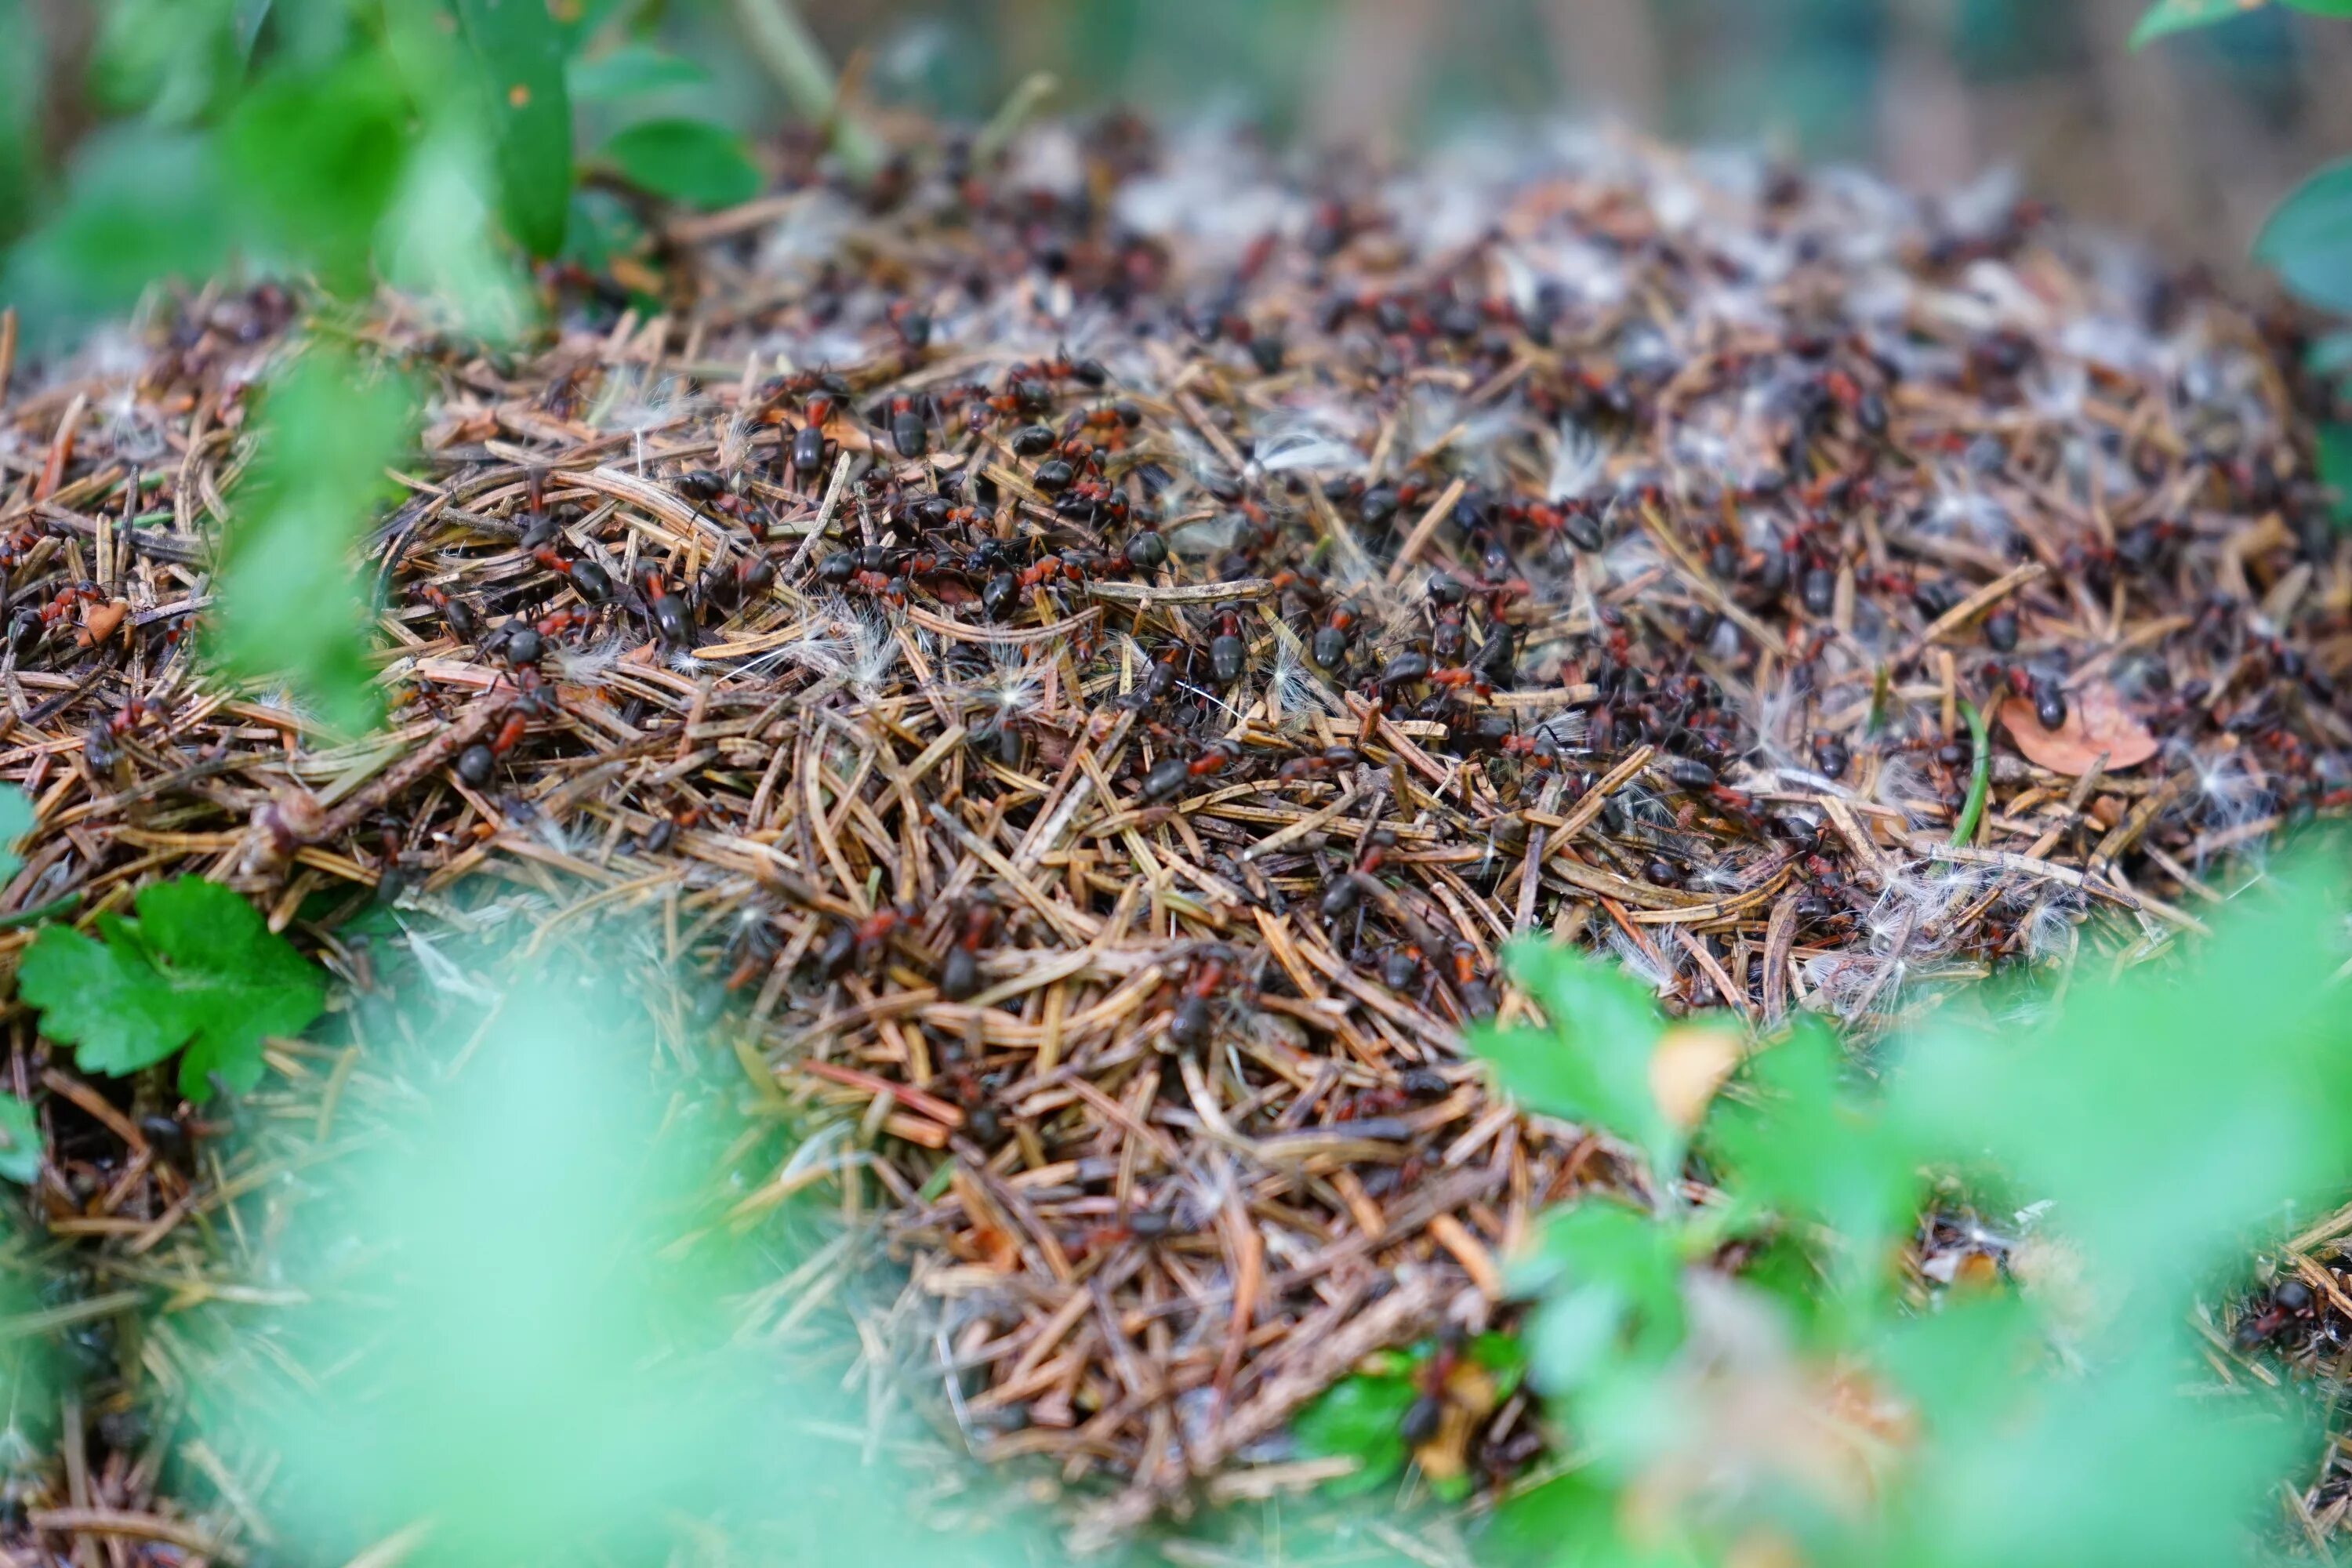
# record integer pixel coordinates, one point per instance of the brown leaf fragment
(2097, 725)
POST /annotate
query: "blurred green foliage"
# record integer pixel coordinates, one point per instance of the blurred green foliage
(20, 1142)
(1726, 1415)
(290, 606)
(342, 143)
(529, 1330)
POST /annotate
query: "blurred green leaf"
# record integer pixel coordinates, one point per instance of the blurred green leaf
(289, 601)
(316, 157)
(177, 61)
(2330, 356)
(2307, 238)
(197, 968)
(1575, 1521)
(141, 203)
(602, 228)
(2163, 1116)
(2110, 1467)
(21, 54)
(695, 162)
(20, 1142)
(1502, 1356)
(579, 21)
(631, 71)
(1592, 1064)
(1611, 1279)
(1362, 1418)
(2168, 17)
(518, 54)
(546, 1344)
(441, 239)
(1814, 1151)
(2331, 445)
(15, 821)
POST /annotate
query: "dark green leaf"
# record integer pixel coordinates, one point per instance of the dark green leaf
(20, 1142)
(518, 54)
(1360, 1417)
(632, 71)
(2333, 446)
(690, 160)
(198, 968)
(2307, 238)
(289, 601)
(2323, 8)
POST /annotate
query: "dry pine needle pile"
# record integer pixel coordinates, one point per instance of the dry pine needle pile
(1100, 655)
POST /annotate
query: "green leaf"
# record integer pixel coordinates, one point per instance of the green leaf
(20, 1142)
(580, 20)
(2307, 238)
(198, 968)
(2330, 356)
(1593, 1063)
(1813, 1150)
(2163, 1117)
(1361, 1416)
(1502, 1356)
(2168, 17)
(21, 83)
(177, 61)
(290, 603)
(15, 821)
(142, 204)
(518, 54)
(1611, 1282)
(632, 71)
(2331, 445)
(602, 228)
(692, 161)
(317, 158)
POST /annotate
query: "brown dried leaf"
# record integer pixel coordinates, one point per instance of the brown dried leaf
(2097, 724)
(100, 621)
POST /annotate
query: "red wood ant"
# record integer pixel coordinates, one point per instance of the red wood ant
(960, 973)
(664, 608)
(1169, 776)
(1319, 765)
(456, 614)
(2289, 1300)
(1191, 1024)
(1352, 888)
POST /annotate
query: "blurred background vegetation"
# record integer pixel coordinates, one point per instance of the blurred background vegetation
(2188, 144)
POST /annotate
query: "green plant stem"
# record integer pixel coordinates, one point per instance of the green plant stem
(1018, 106)
(781, 41)
(1979, 773)
(35, 916)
